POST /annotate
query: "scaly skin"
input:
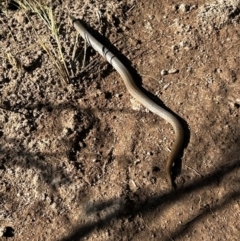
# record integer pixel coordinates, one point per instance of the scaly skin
(138, 95)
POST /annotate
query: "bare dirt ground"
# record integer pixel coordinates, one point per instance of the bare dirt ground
(82, 161)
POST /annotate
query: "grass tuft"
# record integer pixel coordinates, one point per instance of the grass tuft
(44, 10)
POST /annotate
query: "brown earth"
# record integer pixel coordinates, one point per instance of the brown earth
(82, 161)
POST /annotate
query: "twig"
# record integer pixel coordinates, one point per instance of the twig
(197, 172)
(85, 53)
(149, 76)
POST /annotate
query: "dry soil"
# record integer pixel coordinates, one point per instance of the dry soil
(81, 160)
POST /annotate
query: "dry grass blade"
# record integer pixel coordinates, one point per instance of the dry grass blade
(14, 61)
(45, 13)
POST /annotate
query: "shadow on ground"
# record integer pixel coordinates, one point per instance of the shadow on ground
(130, 209)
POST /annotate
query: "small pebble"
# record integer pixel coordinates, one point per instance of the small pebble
(184, 7)
(137, 162)
(166, 86)
(164, 72)
(173, 71)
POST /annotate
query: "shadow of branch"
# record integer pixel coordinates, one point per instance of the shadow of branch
(149, 206)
